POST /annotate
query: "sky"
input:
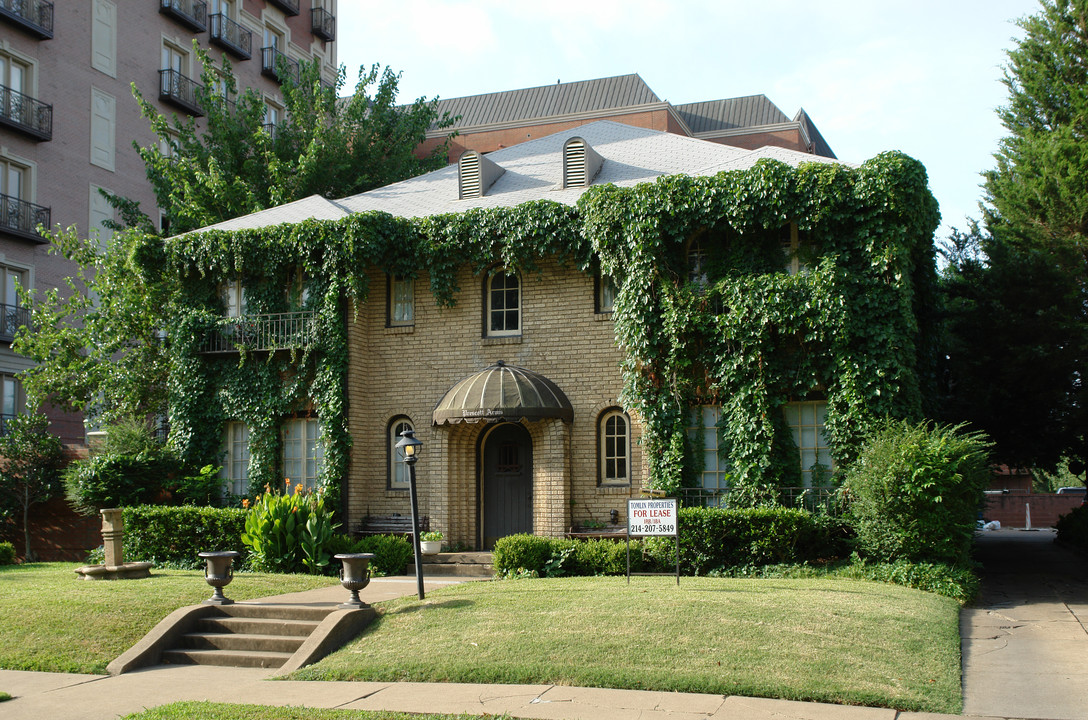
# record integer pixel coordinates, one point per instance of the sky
(922, 77)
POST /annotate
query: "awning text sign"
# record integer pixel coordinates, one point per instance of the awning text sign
(652, 517)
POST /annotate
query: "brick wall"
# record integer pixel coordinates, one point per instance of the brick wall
(57, 533)
(1011, 509)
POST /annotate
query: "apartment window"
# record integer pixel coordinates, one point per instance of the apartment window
(807, 421)
(224, 7)
(697, 263)
(398, 469)
(791, 244)
(273, 115)
(605, 293)
(13, 180)
(176, 59)
(503, 304)
(14, 75)
(11, 400)
(298, 290)
(18, 216)
(402, 307)
(274, 39)
(614, 447)
(233, 295)
(235, 470)
(12, 314)
(303, 452)
(703, 429)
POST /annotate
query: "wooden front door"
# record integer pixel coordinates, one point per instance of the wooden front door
(507, 483)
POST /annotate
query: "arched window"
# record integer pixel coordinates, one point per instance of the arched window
(614, 447)
(503, 302)
(398, 469)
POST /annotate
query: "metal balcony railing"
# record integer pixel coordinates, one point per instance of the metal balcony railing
(231, 36)
(179, 90)
(193, 14)
(21, 218)
(274, 63)
(25, 114)
(323, 24)
(33, 16)
(12, 317)
(289, 7)
(276, 331)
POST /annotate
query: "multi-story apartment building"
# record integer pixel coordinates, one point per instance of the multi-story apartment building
(68, 118)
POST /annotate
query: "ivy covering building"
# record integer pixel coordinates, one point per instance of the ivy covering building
(564, 323)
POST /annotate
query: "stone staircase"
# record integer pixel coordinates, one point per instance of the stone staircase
(460, 564)
(247, 635)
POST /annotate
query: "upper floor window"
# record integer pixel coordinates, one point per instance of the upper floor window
(806, 421)
(273, 115)
(605, 300)
(235, 470)
(233, 295)
(14, 75)
(398, 469)
(12, 314)
(703, 430)
(13, 180)
(791, 244)
(11, 400)
(503, 304)
(697, 263)
(298, 290)
(303, 452)
(224, 7)
(174, 58)
(614, 447)
(401, 301)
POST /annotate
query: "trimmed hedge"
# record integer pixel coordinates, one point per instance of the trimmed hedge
(171, 536)
(392, 553)
(711, 539)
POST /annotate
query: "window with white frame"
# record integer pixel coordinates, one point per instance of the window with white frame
(12, 314)
(11, 400)
(303, 452)
(14, 180)
(703, 431)
(503, 304)
(273, 115)
(807, 421)
(233, 296)
(791, 245)
(14, 75)
(175, 58)
(402, 301)
(398, 469)
(697, 263)
(614, 444)
(235, 470)
(606, 293)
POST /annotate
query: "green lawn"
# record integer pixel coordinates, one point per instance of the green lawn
(829, 640)
(65, 624)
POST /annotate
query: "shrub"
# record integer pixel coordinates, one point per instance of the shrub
(914, 492)
(287, 532)
(172, 536)
(392, 553)
(956, 582)
(516, 552)
(7, 553)
(1073, 527)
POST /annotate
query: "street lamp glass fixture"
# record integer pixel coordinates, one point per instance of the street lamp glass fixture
(408, 447)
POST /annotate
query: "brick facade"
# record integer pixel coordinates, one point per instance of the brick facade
(406, 371)
(1011, 509)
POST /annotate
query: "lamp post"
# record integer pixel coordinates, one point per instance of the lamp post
(409, 448)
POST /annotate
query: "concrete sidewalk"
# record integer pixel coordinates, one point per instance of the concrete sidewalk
(1023, 658)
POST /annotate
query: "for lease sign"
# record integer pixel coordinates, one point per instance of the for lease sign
(652, 517)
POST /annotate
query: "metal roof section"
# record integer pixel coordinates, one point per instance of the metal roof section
(502, 392)
(820, 146)
(548, 101)
(713, 116)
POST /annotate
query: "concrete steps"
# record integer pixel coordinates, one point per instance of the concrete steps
(461, 564)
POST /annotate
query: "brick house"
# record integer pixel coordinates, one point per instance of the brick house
(516, 388)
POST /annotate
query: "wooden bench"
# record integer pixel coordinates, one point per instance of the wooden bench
(395, 524)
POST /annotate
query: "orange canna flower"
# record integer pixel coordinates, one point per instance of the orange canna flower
(245, 503)
(298, 488)
(287, 482)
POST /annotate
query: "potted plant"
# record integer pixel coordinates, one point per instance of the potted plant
(430, 543)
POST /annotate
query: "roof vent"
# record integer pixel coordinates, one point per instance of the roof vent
(476, 174)
(581, 163)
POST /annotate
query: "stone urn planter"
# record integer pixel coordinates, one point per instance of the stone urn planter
(354, 576)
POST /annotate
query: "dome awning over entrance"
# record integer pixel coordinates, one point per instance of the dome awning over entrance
(502, 392)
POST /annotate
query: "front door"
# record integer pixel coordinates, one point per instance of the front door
(508, 483)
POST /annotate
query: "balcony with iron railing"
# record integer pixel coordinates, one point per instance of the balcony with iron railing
(231, 36)
(20, 219)
(25, 114)
(289, 7)
(323, 24)
(32, 16)
(193, 14)
(12, 317)
(252, 333)
(179, 91)
(275, 63)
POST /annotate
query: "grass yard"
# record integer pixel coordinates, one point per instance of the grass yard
(58, 623)
(216, 711)
(828, 640)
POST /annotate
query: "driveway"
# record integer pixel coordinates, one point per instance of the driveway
(1025, 641)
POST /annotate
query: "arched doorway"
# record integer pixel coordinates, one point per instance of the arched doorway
(507, 477)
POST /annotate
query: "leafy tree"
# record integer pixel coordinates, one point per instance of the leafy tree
(1017, 287)
(235, 162)
(30, 472)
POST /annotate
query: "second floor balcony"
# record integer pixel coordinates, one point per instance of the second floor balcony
(12, 317)
(25, 114)
(193, 14)
(252, 333)
(289, 7)
(276, 65)
(231, 36)
(32, 16)
(323, 24)
(179, 91)
(20, 219)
